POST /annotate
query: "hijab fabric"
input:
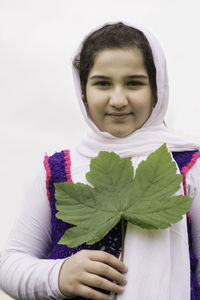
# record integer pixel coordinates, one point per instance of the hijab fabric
(158, 260)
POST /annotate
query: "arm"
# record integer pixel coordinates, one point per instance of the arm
(25, 273)
(193, 190)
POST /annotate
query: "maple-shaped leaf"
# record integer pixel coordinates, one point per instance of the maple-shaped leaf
(146, 200)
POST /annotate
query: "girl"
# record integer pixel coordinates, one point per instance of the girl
(121, 81)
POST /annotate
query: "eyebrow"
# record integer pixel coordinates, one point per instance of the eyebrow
(137, 76)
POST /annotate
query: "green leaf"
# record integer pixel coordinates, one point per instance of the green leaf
(146, 200)
(109, 172)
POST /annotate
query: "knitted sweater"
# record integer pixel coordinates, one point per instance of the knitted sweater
(58, 170)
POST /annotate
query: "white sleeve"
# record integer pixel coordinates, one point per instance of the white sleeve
(25, 273)
(193, 190)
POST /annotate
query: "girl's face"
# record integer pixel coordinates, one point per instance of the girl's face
(118, 91)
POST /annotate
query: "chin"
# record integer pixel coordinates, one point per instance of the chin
(120, 133)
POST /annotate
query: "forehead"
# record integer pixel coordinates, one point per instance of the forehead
(111, 60)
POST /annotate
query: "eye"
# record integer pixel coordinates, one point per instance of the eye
(134, 83)
(102, 83)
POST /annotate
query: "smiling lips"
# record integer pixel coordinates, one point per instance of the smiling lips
(119, 116)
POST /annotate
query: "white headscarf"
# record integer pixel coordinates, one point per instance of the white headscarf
(158, 260)
(151, 135)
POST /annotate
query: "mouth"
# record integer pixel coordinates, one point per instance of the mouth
(119, 116)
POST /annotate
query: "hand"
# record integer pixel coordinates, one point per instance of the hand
(91, 268)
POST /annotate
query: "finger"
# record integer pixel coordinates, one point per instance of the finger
(89, 293)
(105, 270)
(93, 280)
(109, 259)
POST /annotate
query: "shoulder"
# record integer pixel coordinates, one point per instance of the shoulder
(189, 166)
(56, 159)
(58, 165)
(57, 156)
(186, 159)
(193, 174)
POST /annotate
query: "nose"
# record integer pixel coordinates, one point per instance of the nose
(118, 98)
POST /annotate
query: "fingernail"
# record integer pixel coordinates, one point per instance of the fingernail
(125, 269)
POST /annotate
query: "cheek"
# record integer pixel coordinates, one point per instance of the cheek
(147, 109)
(143, 108)
(142, 102)
(96, 110)
(96, 102)
(148, 102)
(148, 105)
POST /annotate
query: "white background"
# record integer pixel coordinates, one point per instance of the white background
(38, 108)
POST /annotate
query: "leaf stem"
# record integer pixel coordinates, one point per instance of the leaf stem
(123, 236)
(122, 251)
